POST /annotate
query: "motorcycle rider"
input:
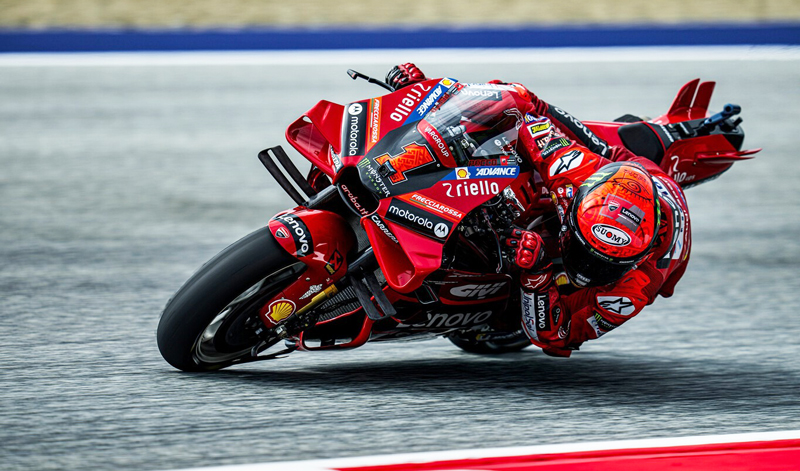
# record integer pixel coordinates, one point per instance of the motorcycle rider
(625, 233)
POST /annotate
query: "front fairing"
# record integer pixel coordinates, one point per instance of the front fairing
(415, 162)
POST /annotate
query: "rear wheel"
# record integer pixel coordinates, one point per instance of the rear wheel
(212, 321)
(490, 344)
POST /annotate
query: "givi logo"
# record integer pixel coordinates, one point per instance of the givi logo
(477, 291)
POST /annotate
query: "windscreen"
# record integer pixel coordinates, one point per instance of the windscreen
(479, 121)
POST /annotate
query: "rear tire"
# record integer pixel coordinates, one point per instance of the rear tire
(211, 322)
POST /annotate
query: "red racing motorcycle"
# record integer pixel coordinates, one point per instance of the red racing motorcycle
(397, 233)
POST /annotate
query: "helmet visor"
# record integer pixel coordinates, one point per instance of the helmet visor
(586, 269)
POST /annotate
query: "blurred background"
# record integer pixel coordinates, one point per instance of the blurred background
(38, 14)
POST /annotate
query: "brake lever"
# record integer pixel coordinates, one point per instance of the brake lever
(358, 75)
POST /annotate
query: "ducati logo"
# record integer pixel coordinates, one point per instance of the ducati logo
(281, 233)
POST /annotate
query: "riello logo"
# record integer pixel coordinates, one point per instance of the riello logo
(611, 235)
(409, 101)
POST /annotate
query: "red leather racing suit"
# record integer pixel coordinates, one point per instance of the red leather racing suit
(556, 315)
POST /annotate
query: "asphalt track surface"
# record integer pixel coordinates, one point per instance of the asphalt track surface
(117, 182)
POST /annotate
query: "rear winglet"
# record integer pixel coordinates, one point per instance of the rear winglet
(683, 101)
(692, 100)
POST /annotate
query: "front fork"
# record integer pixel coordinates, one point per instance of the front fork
(321, 240)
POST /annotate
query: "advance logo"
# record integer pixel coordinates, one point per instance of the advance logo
(497, 172)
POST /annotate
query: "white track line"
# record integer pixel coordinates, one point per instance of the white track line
(326, 465)
(385, 56)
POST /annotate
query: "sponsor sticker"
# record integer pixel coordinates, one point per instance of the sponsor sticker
(603, 323)
(435, 139)
(299, 232)
(477, 188)
(334, 262)
(569, 161)
(418, 220)
(280, 309)
(542, 142)
(354, 201)
(312, 290)
(554, 145)
(481, 93)
(529, 315)
(477, 291)
(563, 332)
(418, 100)
(409, 101)
(533, 282)
(386, 231)
(487, 162)
(436, 206)
(497, 172)
(611, 235)
(540, 128)
(542, 306)
(593, 324)
(370, 177)
(622, 211)
(443, 319)
(617, 305)
(354, 124)
(562, 279)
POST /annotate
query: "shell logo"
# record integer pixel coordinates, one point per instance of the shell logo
(447, 82)
(462, 173)
(280, 310)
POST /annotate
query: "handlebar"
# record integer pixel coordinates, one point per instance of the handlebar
(358, 75)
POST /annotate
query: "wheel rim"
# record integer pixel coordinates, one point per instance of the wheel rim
(232, 332)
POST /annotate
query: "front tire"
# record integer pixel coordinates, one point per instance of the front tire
(211, 322)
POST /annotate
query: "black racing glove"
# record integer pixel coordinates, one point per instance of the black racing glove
(403, 75)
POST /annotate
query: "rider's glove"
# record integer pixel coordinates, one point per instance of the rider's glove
(527, 249)
(403, 75)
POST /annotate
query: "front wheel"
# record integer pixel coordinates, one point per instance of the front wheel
(212, 321)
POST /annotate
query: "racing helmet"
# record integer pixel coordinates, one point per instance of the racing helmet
(611, 225)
